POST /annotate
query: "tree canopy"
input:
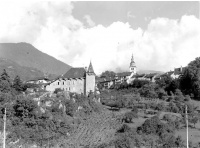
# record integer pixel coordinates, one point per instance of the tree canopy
(190, 79)
(108, 74)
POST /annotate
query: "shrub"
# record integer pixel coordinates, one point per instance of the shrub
(160, 107)
(135, 109)
(123, 129)
(172, 107)
(152, 105)
(150, 126)
(57, 90)
(129, 116)
(166, 117)
(187, 98)
(69, 107)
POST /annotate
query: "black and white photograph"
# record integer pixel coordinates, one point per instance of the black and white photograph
(99, 74)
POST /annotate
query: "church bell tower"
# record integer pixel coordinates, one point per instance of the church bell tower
(132, 66)
(90, 80)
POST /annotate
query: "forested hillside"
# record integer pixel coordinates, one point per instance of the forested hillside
(27, 55)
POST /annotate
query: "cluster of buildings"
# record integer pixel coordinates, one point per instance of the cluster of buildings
(132, 75)
(79, 80)
(83, 80)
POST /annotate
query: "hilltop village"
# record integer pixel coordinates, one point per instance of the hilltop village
(83, 80)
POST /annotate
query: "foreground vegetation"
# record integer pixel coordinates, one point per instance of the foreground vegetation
(142, 114)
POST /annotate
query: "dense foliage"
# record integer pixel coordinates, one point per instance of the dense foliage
(46, 121)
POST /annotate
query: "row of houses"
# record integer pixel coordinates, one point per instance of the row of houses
(126, 77)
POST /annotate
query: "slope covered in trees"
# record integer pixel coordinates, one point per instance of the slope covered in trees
(27, 55)
(14, 69)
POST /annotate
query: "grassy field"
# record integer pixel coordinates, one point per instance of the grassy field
(193, 134)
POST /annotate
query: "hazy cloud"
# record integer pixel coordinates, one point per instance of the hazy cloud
(130, 15)
(90, 22)
(51, 28)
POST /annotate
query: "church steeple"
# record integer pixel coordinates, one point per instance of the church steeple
(90, 69)
(132, 59)
(132, 65)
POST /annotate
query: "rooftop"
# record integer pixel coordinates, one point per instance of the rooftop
(75, 73)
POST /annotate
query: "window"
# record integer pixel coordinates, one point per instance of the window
(63, 83)
(58, 83)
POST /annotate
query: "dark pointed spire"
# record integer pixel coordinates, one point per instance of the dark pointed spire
(90, 69)
(132, 64)
(132, 59)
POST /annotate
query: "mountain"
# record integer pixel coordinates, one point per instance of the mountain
(26, 55)
(13, 69)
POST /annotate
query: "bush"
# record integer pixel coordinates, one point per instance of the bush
(70, 107)
(57, 90)
(152, 105)
(160, 107)
(166, 117)
(172, 107)
(187, 98)
(150, 126)
(135, 110)
(129, 116)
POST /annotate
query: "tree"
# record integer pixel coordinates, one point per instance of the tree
(17, 84)
(161, 93)
(190, 79)
(179, 142)
(57, 90)
(164, 81)
(160, 106)
(33, 126)
(173, 85)
(129, 116)
(5, 84)
(108, 74)
(179, 96)
(194, 120)
(148, 90)
(150, 126)
(136, 83)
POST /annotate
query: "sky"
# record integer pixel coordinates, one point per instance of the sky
(160, 35)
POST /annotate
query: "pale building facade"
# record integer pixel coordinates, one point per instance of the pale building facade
(78, 80)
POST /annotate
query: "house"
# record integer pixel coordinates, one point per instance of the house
(39, 80)
(177, 72)
(151, 77)
(80, 80)
(122, 77)
(107, 82)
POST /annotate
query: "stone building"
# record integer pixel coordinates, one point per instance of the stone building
(80, 80)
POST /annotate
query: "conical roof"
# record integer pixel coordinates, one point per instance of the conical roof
(132, 64)
(90, 68)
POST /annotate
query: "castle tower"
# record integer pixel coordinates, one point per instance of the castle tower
(132, 65)
(90, 80)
